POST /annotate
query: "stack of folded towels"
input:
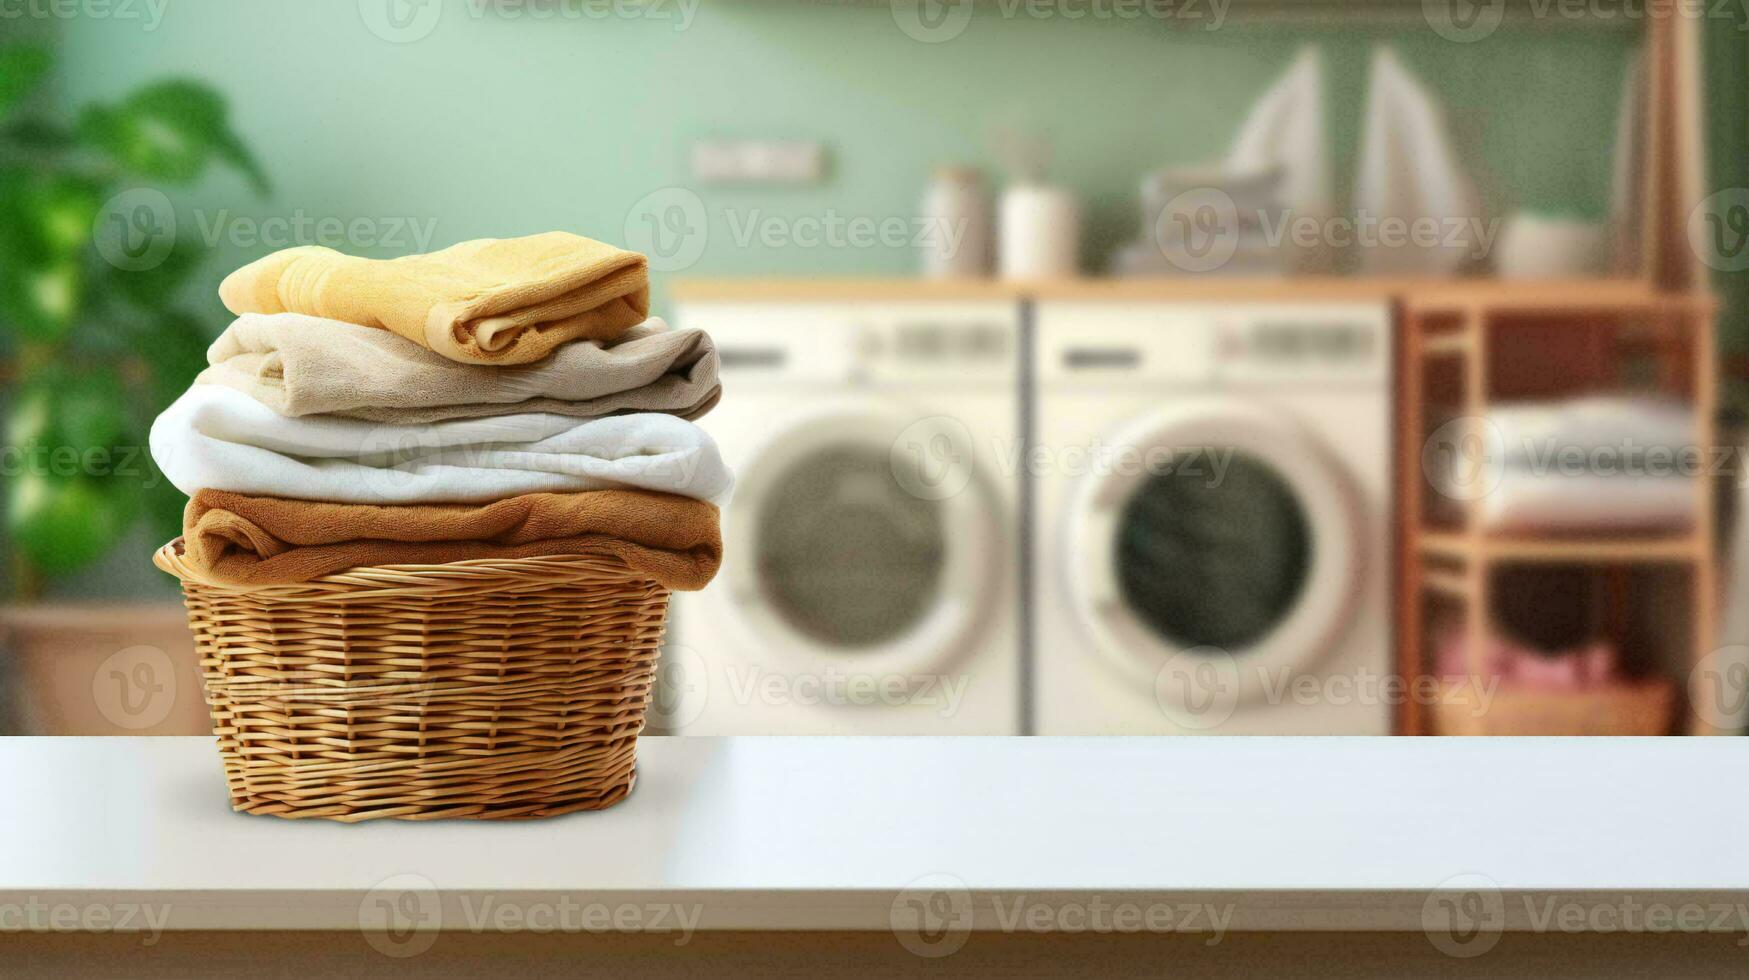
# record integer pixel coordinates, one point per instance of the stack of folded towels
(497, 399)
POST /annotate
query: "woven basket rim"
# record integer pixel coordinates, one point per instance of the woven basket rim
(372, 580)
(1622, 686)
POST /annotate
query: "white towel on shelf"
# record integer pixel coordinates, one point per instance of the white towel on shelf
(1601, 463)
(1285, 131)
(217, 438)
(1410, 171)
(1561, 503)
(1628, 169)
(1533, 431)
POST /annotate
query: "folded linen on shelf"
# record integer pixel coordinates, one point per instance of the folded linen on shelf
(251, 540)
(216, 438)
(1524, 501)
(1599, 463)
(1539, 433)
(303, 365)
(489, 301)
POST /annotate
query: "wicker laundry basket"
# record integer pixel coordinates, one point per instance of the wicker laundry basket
(1639, 707)
(488, 689)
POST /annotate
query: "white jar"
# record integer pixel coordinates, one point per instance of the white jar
(956, 216)
(1041, 232)
(1534, 246)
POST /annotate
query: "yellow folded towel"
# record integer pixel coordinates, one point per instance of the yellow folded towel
(491, 301)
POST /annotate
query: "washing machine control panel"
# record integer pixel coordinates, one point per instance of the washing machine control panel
(1298, 341)
(1340, 343)
(858, 343)
(936, 341)
(1097, 344)
(955, 345)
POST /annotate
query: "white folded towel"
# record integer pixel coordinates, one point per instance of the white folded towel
(1599, 503)
(217, 438)
(1409, 171)
(1285, 130)
(1537, 433)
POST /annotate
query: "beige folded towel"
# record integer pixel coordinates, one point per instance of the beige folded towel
(246, 540)
(302, 365)
(490, 301)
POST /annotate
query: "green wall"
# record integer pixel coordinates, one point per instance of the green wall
(498, 124)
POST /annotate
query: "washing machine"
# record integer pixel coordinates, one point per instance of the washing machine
(1212, 519)
(868, 583)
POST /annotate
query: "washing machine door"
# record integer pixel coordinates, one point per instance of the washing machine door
(862, 537)
(1233, 535)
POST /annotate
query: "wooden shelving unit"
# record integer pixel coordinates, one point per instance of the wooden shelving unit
(1459, 351)
(1462, 345)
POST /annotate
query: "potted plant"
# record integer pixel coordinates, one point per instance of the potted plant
(94, 344)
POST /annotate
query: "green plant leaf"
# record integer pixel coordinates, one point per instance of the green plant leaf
(80, 410)
(174, 346)
(32, 418)
(45, 224)
(92, 410)
(169, 131)
(39, 300)
(77, 481)
(37, 134)
(22, 69)
(64, 522)
(141, 144)
(60, 209)
(158, 286)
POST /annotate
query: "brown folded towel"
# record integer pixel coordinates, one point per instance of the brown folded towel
(246, 540)
(490, 301)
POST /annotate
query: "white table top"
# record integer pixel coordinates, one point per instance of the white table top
(825, 832)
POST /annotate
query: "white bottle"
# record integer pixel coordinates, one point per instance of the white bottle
(956, 217)
(1040, 232)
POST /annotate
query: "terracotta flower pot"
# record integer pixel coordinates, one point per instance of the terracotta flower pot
(110, 669)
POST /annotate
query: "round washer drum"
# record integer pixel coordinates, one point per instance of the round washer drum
(863, 536)
(1224, 527)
